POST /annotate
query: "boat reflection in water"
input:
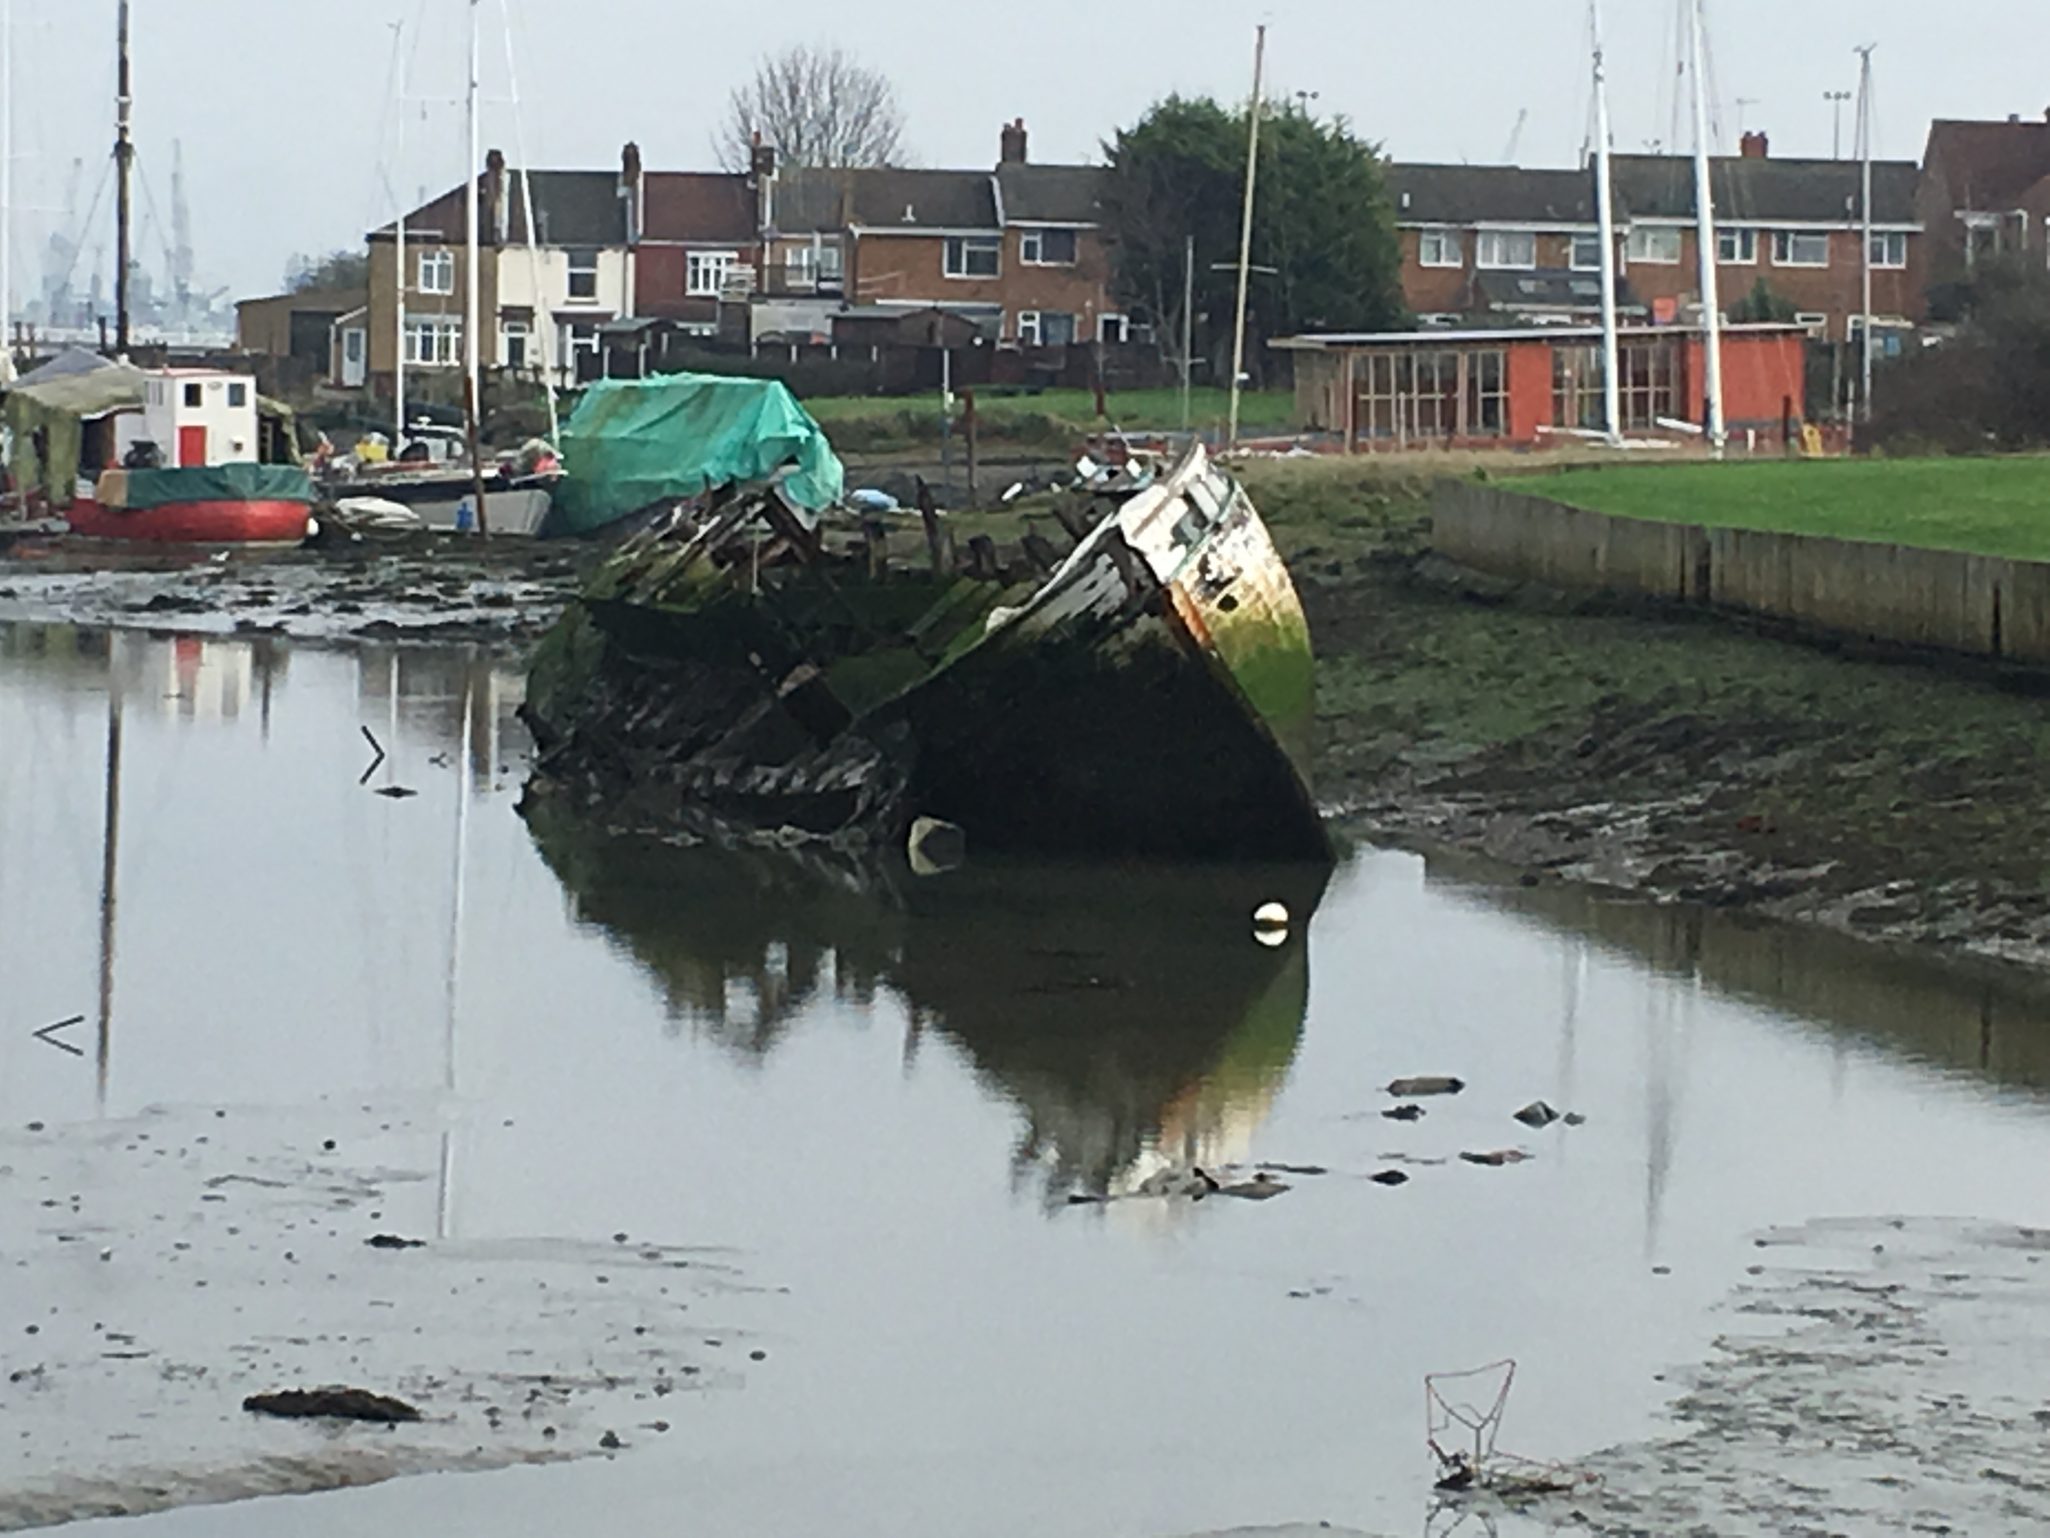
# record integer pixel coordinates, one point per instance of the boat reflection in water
(1126, 1011)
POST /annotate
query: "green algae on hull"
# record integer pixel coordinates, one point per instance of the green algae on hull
(1148, 693)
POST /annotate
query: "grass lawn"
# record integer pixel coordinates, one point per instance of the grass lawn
(1987, 506)
(1137, 410)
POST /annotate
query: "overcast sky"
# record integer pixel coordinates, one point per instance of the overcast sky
(289, 131)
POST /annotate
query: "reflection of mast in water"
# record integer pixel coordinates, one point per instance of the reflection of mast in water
(110, 855)
(1661, 1091)
(445, 1204)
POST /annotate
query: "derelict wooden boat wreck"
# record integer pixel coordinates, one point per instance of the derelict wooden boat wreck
(1147, 691)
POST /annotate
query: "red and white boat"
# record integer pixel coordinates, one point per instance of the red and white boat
(193, 473)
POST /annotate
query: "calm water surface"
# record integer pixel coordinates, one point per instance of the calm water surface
(882, 1098)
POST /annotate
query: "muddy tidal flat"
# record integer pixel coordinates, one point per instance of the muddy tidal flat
(794, 1199)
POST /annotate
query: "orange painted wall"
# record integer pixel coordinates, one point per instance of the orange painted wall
(1530, 388)
(1760, 374)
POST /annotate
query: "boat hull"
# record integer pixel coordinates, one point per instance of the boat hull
(195, 522)
(512, 509)
(1150, 696)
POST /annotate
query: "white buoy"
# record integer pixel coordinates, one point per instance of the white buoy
(1270, 924)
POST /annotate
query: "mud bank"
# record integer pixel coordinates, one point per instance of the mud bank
(159, 1270)
(1685, 760)
(1878, 1376)
(1680, 759)
(422, 588)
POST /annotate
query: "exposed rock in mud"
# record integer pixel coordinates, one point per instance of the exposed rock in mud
(1428, 1084)
(343, 1404)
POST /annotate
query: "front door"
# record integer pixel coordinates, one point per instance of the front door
(191, 446)
(354, 363)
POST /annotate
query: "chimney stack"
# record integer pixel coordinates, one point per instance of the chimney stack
(1014, 143)
(1755, 146)
(492, 196)
(630, 191)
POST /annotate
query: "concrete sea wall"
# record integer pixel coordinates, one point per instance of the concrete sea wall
(1978, 605)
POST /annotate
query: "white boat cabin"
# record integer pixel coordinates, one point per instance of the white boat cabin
(200, 417)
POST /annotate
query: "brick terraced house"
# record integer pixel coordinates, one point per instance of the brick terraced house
(1510, 243)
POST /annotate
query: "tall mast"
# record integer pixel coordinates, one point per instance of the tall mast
(6, 190)
(1865, 152)
(472, 341)
(1704, 233)
(124, 162)
(398, 442)
(1605, 210)
(1238, 341)
(543, 338)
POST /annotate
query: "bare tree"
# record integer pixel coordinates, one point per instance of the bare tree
(819, 107)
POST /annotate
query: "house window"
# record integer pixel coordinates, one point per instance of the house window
(1056, 328)
(1440, 248)
(1800, 248)
(1487, 394)
(1577, 388)
(705, 273)
(1656, 245)
(583, 275)
(437, 272)
(974, 256)
(1406, 396)
(238, 394)
(514, 337)
(194, 395)
(1889, 335)
(434, 341)
(800, 267)
(1113, 329)
(1507, 249)
(1736, 248)
(1889, 249)
(1047, 248)
(830, 263)
(1586, 255)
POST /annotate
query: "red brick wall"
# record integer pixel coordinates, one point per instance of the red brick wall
(1835, 290)
(661, 276)
(913, 267)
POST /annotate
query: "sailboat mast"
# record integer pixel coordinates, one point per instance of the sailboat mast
(544, 329)
(472, 341)
(6, 190)
(1238, 342)
(1704, 220)
(399, 286)
(124, 163)
(1865, 153)
(1605, 214)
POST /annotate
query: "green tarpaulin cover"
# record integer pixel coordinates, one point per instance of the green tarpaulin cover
(635, 442)
(218, 483)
